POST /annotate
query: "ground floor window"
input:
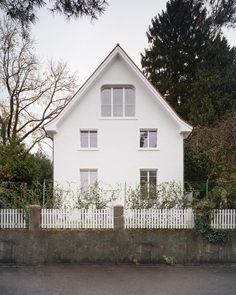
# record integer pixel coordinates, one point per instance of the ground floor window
(88, 177)
(148, 179)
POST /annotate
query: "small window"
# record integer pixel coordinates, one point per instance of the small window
(88, 178)
(148, 138)
(148, 179)
(88, 139)
(117, 101)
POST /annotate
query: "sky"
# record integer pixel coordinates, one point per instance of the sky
(84, 44)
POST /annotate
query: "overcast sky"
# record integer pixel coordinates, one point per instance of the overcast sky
(84, 44)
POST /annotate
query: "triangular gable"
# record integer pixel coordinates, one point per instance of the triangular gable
(51, 127)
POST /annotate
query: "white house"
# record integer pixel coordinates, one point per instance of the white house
(118, 129)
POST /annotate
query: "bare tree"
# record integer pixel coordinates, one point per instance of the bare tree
(31, 93)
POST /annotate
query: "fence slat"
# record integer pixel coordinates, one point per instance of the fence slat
(103, 218)
(176, 218)
(223, 219)
(12, 218)
(159, 218)
(77, 218)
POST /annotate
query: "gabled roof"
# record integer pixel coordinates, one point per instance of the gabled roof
(51, 127)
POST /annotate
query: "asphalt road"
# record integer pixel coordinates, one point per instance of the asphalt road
(118, 279)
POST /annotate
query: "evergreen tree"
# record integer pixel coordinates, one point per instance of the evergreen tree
(189, 63)
(25, 12)
(221, 12)
(25, 178)
(213, 91)
(19, 166)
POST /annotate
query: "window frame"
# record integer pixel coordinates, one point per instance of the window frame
(148, 148)
(89, 148)
(123, 87)
(89, 177)
(148, 170)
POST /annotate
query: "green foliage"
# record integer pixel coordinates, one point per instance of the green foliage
(22, 177)
(165, 195)
(17, 165)
(192, 66)
(210, 162)
(197, 167)
(222, 12)
(169, 260)
(203, 223)
(212, 92)
(25, 12)
(190, 62)
(20, 195)
(45, 170)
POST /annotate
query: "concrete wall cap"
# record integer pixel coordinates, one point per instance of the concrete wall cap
(34, 206)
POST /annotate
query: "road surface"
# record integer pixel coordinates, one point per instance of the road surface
(118, 279)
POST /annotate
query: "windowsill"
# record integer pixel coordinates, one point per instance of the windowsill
(148, 149)
(87, 149)
(118, 118)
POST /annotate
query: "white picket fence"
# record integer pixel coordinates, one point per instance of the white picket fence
(159, 218)
(12, 218)
(77, 218)
(223, 219)
(104, 218)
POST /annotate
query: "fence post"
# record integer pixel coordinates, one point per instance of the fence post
(34, 217)
(119, 221)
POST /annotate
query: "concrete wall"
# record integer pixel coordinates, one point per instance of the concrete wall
(147, 246)
(36, 246)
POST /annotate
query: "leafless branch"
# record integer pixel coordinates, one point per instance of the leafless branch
(32, 96)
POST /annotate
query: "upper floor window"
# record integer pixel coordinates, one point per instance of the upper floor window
(117, 101)
(148, 138)
(88, 139)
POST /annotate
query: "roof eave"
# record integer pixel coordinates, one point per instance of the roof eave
(51, 129)
(186, 131)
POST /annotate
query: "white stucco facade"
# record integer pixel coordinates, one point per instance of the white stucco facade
(118, 157)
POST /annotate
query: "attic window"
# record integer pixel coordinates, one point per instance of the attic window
(117, 101)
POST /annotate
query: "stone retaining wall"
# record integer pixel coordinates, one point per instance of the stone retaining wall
(36, 246)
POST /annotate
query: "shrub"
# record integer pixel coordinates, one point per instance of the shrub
(165, 195)
(95, 196)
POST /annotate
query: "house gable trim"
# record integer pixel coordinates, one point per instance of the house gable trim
(51, 127)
